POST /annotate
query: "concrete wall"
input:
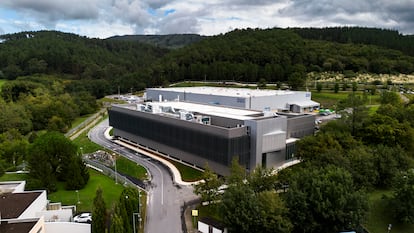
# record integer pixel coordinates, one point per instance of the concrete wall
(37, 205)
(259, 128)
(67, 227)
(202, 227)
(154, 94)
(274, 102)
(63, 215)
(300, 126)
(39, 227)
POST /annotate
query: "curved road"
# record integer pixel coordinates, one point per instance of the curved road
(164, 197)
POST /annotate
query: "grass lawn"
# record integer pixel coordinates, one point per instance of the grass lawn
(14, 177)
(79, 120)
(128, 167)
(328, 99)
(87, 145)
(111, 192)
(2, 81)
(187, 173)
(380, 216)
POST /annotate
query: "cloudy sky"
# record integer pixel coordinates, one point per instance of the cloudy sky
(105, 18)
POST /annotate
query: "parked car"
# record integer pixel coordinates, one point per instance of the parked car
(83, 218)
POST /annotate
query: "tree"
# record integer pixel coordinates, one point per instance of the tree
(98, 213)
(128, 204)
(77, 175)
(262, 179)
(389, 161)
(296, 80)
(14, 116)
(117, 225)
(324, 200)
(403, 200)
(237, 173)
(336, 88)
(319, 87)
(389, 97)
(209, 189)
(273, 214)
(240, 209)
(355, 112)
(57, 154)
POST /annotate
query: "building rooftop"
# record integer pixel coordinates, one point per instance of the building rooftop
(174, 107)
(225, 91)
(17, 227)
(12, 205)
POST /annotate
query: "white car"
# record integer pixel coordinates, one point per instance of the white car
(83, 218)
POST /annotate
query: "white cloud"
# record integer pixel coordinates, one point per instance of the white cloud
(102, 18)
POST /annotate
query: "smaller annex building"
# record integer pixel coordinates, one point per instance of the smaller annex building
(30, 212)
(199, 133)
(253, 99)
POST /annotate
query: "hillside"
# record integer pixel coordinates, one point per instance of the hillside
(277, 55)
(172, 41)
(248, 55)
(386, 38)
(113, 63)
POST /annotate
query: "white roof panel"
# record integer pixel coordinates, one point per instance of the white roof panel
(235, 113)
(225, 91)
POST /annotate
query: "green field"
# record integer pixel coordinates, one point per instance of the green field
(79, 120)
(2, 81)
(14, 177)
(188, 174)
(111, 192)
(380, 215)
(87, 145)
(130, 168)
(328, 99)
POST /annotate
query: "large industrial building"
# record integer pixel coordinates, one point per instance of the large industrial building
(203, 133)
(253, 99)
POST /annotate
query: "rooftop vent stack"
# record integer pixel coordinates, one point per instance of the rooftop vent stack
(160, 98)
(267, 112)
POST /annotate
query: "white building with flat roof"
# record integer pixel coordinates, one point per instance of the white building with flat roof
(253, 99)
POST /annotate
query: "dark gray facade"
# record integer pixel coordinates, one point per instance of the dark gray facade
(258, 140)
(194, 143)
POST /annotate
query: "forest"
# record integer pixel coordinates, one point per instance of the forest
(246, 55)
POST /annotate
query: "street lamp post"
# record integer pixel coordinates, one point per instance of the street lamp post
(139, 208)
(116, 172)
(77, 194)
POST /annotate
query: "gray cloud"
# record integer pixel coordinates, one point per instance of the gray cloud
(179, 24)
(57, 9)
(381, 13)
(212, 17)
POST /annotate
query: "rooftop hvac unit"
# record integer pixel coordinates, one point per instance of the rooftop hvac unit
(188, 116)
(206, 120)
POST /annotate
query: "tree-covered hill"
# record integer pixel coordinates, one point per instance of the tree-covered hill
(132, 63)
(172, 41)
(386, 38)
(77, 58)
(276, 55)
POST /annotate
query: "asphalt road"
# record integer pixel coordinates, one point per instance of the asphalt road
(164, 197)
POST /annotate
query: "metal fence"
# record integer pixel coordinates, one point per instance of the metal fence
(118, 177)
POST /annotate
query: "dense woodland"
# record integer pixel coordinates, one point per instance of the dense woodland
(248, 55)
